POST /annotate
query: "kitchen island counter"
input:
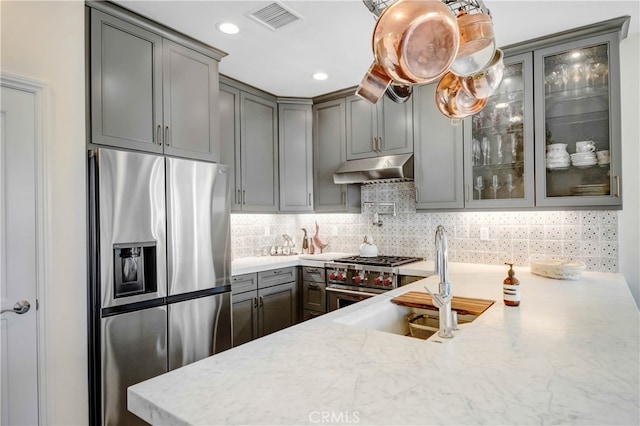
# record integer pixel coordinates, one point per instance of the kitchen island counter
(570, 354)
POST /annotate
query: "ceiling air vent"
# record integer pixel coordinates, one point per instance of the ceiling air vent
(275, 16)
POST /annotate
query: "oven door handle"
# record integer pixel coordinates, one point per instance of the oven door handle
(355, 293)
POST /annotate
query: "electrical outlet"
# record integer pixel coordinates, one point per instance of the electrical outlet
(267, 231)
(484, 233)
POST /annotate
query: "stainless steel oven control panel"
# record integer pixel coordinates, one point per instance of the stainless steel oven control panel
(363, 277)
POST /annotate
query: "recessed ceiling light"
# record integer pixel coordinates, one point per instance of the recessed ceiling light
(320, 76)
(228, 28)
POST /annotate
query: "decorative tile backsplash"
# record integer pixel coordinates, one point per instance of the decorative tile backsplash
(589, 236)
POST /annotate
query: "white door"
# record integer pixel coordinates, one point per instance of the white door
(18, 258)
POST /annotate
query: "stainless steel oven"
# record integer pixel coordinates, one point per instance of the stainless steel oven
(355, 278)
(340, 296)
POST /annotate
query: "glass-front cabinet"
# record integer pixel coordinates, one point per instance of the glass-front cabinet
(578, 123)
(499, 159)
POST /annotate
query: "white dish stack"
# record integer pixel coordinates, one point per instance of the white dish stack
(585, 155)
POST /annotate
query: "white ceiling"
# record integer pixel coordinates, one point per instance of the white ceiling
(334, 36)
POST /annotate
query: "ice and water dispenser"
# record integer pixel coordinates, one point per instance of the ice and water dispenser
(134, 269)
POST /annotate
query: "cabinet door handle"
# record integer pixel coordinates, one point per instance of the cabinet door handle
(466, 192)
(166, 136)
(244, 196)
(159, 135)
(309, 199)
(617, 186)
(261, 301)
(380, 144)
(343, 198)
(373, 144)
(238, 197)
(255, 302)
(313, 285)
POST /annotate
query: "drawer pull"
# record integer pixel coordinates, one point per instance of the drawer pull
(166, 136)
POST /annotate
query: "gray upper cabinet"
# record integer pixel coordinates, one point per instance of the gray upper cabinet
(126, 84)
(499, 162)
(382, 129)
(438, 158)
(329, 152)
(296, 156)
(190, 93)
(259, 153)
(149, 93)
(248, 143)
(578, 99)
(230, 141)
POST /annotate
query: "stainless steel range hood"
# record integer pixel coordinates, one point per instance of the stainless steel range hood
(387, 167)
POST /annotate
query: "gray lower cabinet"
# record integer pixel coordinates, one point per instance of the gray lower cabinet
(296, 155)
(149, 93)
(277, 308)
(438, 156)
(249, 144)
(329, 152)
(263, 303)
(314, 298)
(376, 130)
(244, 307)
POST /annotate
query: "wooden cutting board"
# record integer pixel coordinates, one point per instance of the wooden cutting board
(464, 305)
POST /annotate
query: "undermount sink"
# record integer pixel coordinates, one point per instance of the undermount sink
(392, 318)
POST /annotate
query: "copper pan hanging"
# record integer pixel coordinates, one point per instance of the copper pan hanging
(486, 82)
(416, 41)
(477, 44)
(454, 101)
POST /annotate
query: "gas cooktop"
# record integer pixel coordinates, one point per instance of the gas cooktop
(389, 261)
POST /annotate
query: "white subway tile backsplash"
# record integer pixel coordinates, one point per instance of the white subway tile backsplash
(589, 236)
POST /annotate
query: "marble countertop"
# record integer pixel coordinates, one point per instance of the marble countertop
(248, 265)
(569, 354)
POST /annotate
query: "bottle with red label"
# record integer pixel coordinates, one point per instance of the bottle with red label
(511, 288)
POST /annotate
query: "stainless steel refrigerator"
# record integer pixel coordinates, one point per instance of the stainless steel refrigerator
(160, 271)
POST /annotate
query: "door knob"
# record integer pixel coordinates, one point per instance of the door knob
(21, 307)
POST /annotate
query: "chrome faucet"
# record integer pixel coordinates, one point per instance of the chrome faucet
(442, 300)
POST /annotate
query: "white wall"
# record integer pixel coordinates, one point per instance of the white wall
(630, 215)
(45, 41)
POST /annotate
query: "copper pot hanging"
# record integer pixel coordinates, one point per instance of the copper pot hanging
(477, 44)
(414, 42)
(484, 84)
(454, 101)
